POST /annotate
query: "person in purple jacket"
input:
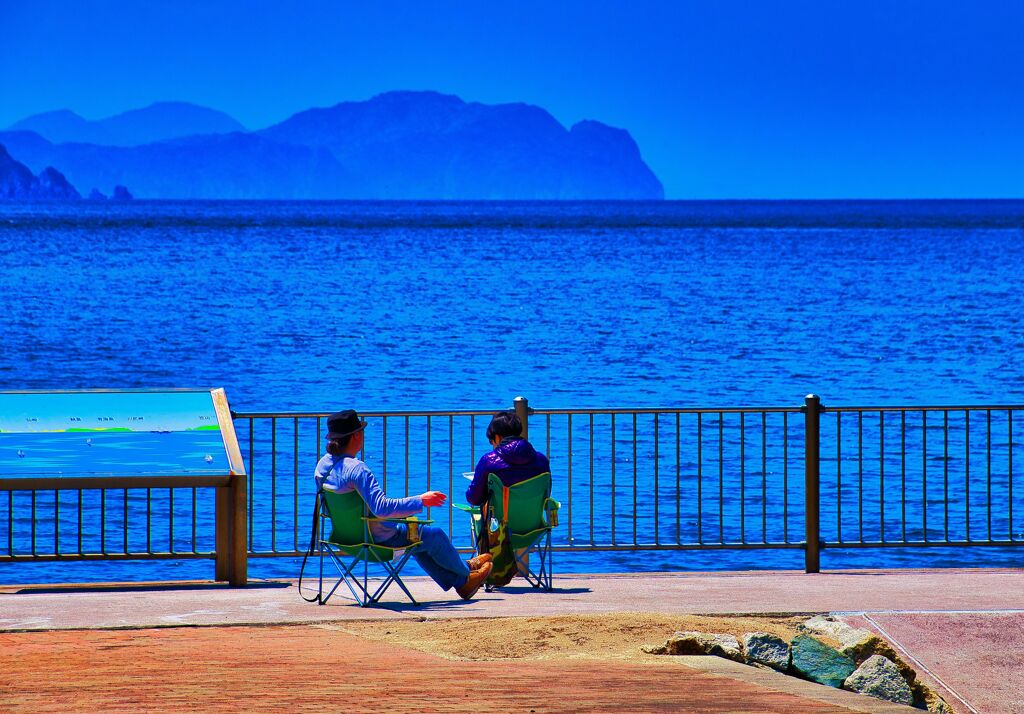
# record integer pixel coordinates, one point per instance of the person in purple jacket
(513, 459)
(339, 470)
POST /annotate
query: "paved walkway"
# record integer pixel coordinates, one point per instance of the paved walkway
(962, 626)
(305, 668)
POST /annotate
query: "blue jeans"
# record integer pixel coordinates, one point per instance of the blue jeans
(437, 556)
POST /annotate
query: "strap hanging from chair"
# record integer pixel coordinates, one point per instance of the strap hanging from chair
(314, 534)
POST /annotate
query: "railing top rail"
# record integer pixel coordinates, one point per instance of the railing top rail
(373, 414)
(670, 410)
(928, 408)
(641, 410)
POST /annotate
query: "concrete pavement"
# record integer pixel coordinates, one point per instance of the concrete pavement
(964, 628)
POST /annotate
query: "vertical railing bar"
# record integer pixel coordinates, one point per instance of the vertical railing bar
(149, 520)
(547, 435)
(967, 475)
(945, 470)
(273, 484)
(1009, 438)
(613, 478)
(700, 478)
(785, 477)
(251, 496)
(194, 518)
(34, 519)
(80, 507)
(988, 471)
(125, 534)
(881, 473)
(903, 475)
(743, 478)
(170, 520)
(103, 521)
(924, 473)
(384, 455)
(860, 476)
(295, 480)
(839, 476)
(592, 517)
(10, 525)
(451, 472)
(569, 481)
(472, 439)
(429, 457)
(407, 456)
(764, 477)
(721, 478)
(634, 478)
(657, 515)
(56, 522)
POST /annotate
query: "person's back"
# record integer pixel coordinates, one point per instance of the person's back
(513, 458)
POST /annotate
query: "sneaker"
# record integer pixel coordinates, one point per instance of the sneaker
(474, 581)
(477, 561)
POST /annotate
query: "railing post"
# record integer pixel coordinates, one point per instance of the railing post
(812, 485)
(522, 407)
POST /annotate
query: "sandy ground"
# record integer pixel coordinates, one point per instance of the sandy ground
(608, 637)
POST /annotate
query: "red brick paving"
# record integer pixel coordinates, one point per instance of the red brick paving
(303, 668)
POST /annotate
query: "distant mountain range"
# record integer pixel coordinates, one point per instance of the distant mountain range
(398, 145)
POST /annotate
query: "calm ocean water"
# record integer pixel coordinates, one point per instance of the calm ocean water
(319, 306)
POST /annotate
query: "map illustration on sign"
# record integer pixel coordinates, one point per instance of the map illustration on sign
(114, 432)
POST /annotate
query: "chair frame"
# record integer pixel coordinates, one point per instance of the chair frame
(359, 584)
(541, 578)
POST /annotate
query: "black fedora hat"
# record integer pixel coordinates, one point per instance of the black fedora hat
(342, 424)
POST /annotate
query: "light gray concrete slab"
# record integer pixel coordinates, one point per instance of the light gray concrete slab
(161, 605)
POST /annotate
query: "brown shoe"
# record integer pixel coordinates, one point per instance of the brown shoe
(477, 561)
(474, 581)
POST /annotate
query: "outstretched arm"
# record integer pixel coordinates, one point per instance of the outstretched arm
(379, 504)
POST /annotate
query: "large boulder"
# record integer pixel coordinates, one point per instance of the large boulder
(767, 649)
(830, 628)
(699, 643)
(879, 677)
(816, 661)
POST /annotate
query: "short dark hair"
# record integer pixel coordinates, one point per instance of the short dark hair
(336, 447)
(504, 424)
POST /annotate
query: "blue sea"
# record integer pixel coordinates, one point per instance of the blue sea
(318, 306)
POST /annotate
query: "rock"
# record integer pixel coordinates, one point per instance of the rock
(121, 194)
(880, 678)
(96, 195)
(766, 649)
(654, 649)
(831, 628)
(934, 703)
(52, 184)
(18, 183)
(816, 661)
(701, 643)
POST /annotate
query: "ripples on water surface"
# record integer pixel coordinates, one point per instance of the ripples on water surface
(315, 306)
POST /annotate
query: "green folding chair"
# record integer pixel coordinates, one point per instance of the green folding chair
(529, 518)
(351, 538)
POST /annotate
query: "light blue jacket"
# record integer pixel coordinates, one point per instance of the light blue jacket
(347, 473)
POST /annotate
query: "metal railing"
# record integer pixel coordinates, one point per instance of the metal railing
(803, 477)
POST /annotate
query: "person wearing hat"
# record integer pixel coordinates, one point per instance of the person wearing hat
(339, 470)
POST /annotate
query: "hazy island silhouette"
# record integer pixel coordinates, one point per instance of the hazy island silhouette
(398, 145)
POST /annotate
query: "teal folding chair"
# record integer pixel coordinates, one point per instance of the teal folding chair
(351, 539)
(529, 518)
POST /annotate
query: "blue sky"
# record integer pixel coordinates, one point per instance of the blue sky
(726, 99)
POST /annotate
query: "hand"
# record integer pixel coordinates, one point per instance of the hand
(433, 498)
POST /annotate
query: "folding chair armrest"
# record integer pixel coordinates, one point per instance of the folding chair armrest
(473, 510)
(551, 504)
